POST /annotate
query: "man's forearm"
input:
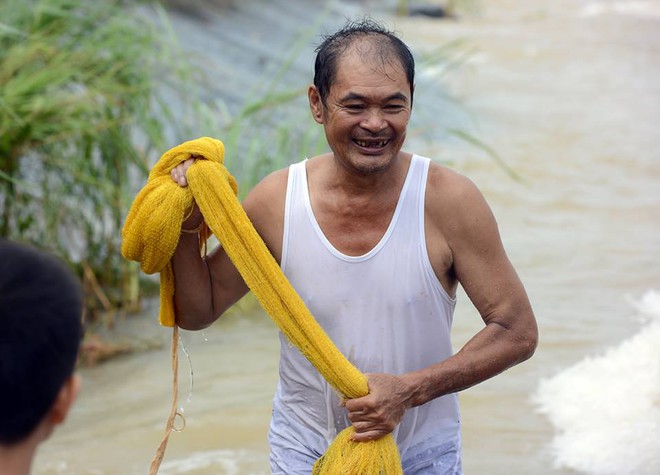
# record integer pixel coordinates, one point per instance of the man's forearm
(491, 351)
(192, 285)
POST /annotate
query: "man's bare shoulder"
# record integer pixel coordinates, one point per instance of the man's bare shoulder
(271, 187)
(449, 188)
(266, 200)
(265, 207)
(454, 203)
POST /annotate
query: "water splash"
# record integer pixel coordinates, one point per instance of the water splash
(606, 409)
(190, 370)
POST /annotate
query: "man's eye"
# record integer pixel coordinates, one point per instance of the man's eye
(355, 107)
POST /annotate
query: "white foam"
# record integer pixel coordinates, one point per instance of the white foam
(648, 306)
(606, 409)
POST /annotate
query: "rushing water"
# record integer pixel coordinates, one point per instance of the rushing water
(568, 93)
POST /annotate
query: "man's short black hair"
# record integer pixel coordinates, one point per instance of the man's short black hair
(40, 334)
(387, 46)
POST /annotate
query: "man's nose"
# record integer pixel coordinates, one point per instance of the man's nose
(373, 122)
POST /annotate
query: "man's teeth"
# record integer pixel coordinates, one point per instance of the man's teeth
(370, 144)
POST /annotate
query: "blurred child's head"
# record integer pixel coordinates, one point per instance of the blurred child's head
(40, 334)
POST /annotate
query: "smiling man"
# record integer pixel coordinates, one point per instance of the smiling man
(376, 241)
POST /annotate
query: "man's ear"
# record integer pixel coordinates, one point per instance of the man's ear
(412, 94)
(315, 104)
(65, 399)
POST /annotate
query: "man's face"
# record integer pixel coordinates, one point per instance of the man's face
(366, 112)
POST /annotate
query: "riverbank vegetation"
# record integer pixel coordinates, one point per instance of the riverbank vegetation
(90, 95)
(80, 114)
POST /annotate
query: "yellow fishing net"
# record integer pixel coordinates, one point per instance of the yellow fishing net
(151, 234)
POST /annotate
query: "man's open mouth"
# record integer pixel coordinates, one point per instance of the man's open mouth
(373, 144)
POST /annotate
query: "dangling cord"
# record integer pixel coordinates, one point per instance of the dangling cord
(174, 413)
(169, 427)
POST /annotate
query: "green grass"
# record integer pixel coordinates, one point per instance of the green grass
(78, 97)
(85, 106)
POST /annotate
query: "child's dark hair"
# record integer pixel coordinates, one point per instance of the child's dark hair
(40, 334)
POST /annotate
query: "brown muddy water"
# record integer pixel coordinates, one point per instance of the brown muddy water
(568, 94)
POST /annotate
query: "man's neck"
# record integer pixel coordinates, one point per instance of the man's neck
(354, 215)
(353, 184)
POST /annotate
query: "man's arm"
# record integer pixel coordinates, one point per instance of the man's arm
(478, 260)
(206, 287)
(203, 287)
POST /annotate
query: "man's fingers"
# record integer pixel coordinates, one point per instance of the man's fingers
(364, 416)
(181, 180)
(369, 435)
(355, 416)
(178, 173)
(361, 404)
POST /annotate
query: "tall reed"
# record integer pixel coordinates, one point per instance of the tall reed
(79, 114)
(88, 92)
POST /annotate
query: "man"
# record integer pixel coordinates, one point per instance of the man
(40, 317)
(375, 240)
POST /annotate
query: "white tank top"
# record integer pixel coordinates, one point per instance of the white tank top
(385, 310)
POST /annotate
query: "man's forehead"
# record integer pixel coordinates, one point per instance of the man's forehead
(356, 68)
(390, 97)
(370, 47)
(365, 54)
